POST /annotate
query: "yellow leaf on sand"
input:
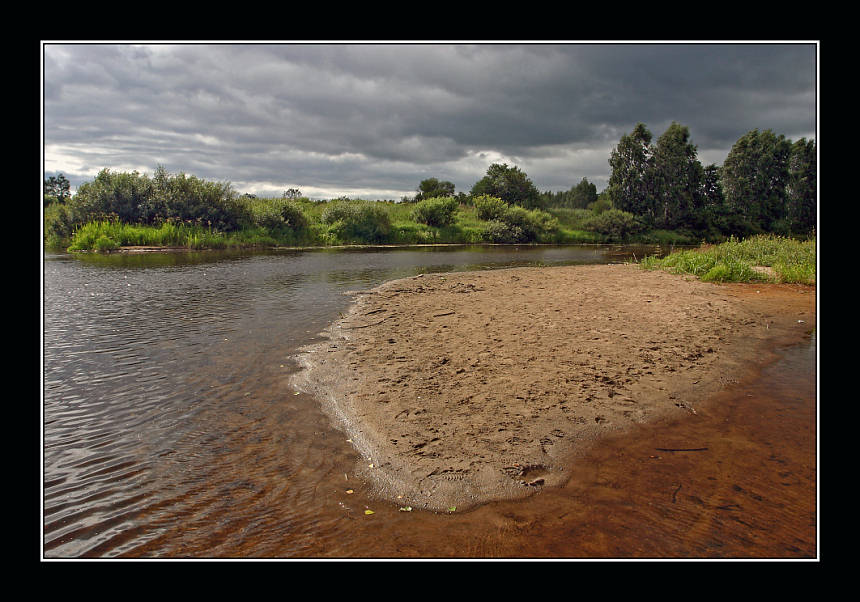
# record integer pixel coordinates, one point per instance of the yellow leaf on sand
(350, 491)
(368, 511)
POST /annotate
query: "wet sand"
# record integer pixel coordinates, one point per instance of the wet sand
(464, 388)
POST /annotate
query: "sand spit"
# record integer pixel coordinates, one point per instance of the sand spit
(461, 388)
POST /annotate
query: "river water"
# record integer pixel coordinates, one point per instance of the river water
(170, 429)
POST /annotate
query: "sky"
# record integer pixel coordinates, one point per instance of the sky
(372, 120)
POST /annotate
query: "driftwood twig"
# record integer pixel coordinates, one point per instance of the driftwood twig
(365, 325)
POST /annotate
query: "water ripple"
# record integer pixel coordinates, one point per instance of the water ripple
(169, 429)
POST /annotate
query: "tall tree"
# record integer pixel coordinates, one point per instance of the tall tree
(630, 181)
(677, 180)
(754, 177)
(509, 184)
(801, 193)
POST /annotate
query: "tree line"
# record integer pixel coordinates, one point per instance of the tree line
(767, 184)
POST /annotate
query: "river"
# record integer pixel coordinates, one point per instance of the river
(170, 429)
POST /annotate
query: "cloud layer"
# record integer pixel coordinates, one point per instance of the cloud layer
(373, 120)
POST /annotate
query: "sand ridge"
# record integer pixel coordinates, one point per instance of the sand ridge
(461, 388)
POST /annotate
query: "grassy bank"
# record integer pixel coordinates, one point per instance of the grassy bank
(121, 209)
(107, 235)
(763, 258)
(303, 223)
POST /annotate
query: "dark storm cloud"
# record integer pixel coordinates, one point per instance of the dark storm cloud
(375, 119)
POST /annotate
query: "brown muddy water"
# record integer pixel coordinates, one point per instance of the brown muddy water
(169, 429)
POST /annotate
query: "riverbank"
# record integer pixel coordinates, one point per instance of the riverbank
(303, 223)
(462, 388)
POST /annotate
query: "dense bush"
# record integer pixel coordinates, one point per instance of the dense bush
(278, 214)
(501, 233)
(59, 224)
(534, 223)
(490, 207)
(436, 211)
(601, 204)
(615, 224)
(136, 198)
(357, 221)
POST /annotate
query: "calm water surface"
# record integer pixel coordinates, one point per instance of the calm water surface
(170, 429)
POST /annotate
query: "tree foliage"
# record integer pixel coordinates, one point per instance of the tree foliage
(57, 189)
(433, 188)
(755, 176)
(132, 197)
(801, 193)
(677, 179)
(766, 184)
(579, 196)
(510, 184)
(630, 181)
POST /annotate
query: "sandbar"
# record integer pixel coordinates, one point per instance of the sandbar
(457, 389)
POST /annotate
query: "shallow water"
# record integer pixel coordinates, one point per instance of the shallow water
(171, 431)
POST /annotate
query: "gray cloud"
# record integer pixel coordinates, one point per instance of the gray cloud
(372, 120)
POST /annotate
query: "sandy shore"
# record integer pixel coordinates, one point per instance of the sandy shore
(462, 388)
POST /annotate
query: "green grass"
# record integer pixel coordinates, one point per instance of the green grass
(791, 261)
(108, 235)
(268, 222)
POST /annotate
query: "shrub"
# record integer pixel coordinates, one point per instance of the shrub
(436, 211)
(615, 224)
(600, 205)
(337, 211)
(532, 223)
(501, 233)
(268, 217)
(136, 198)
(278, 214)
(293, 216)
(119, 193)
(59, 225)
(357, 221)
(490, 207)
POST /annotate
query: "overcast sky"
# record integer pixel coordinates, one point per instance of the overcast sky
(373, 120)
